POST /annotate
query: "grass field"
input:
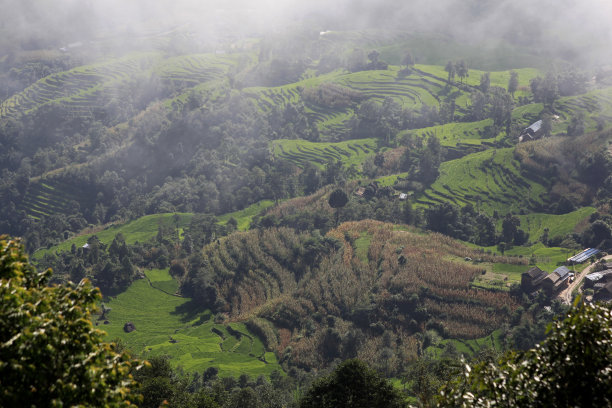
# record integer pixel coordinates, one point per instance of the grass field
(167, 324)
(302, 152)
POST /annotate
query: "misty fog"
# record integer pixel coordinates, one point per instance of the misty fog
(566, 26)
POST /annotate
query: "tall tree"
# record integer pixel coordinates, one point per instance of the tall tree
(485, 82)
(450, 68)
(463, 70)
(513, 83)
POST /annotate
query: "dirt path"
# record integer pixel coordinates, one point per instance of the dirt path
(566, 295)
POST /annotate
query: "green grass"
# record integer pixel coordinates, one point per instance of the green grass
(301, 152)
(160, 318)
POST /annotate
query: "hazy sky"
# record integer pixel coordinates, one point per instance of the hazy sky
(582, 22)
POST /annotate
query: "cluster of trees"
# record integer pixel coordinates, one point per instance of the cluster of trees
(565, 83)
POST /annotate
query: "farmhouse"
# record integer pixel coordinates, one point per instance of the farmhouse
(557, 280)
(532, 132)
(532, 279)
(598, 277)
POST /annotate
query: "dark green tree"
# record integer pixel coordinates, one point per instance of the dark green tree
(352, 384)
(513, 83)
(337, 200)
(50, 353)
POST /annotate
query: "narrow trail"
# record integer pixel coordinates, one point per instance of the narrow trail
(566, 294)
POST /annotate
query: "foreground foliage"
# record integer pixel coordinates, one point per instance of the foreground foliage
(50, 354)
(571, 368)
(352, 384)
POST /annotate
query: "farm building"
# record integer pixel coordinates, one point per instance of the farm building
(532, 279)
(584, 255)
(597, 277)
(557, 280)
(604, 293)
(532, 132)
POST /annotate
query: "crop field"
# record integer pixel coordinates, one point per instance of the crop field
(302, 152)
(167, 325)
(489, 180)
(142, 229)
(51, 197)
(80, 89)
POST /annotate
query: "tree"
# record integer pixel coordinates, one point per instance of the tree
(485, 82)
(337, 200)
(352, 384)
(462, 70)
(450, 68)
(50, 354)
(570, 368)
(513, 83)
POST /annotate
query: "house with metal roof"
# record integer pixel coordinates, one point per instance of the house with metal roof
(532, 132)
(584, 255)
(597, 277)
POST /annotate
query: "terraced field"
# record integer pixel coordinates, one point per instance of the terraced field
(458, 134)
(51, 197)
(167, 325)
(302, 152)
(595, 104)
(80, 89)
(189, 70)
(489, 180)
